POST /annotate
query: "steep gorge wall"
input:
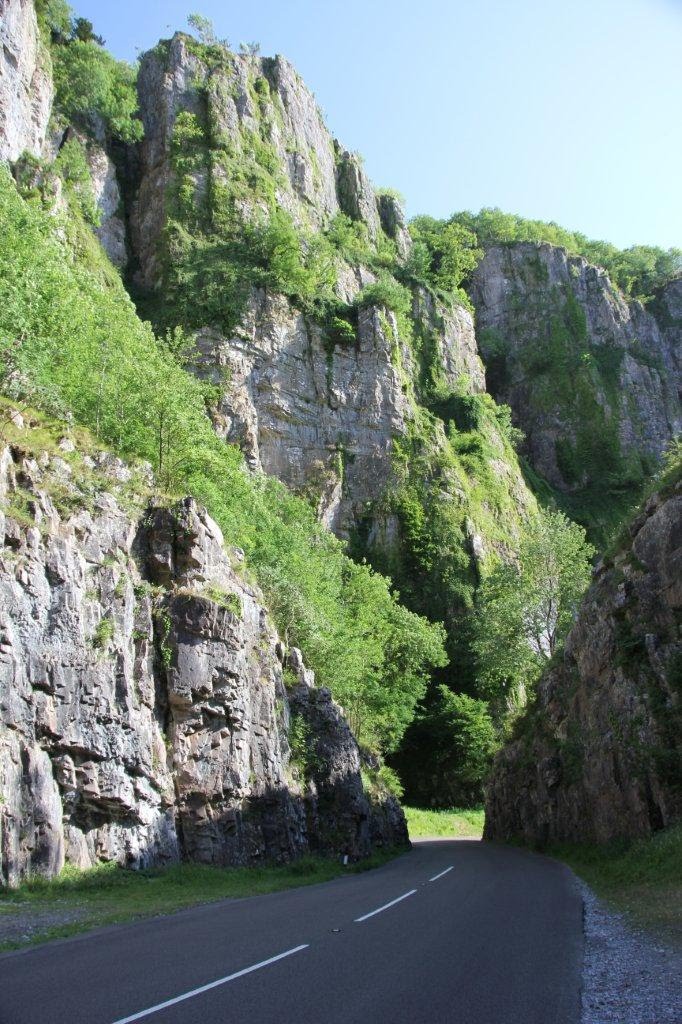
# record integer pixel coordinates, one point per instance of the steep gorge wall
(593, 380)
(25, 81)
(319, 414)
(599, 755)
(146, 701)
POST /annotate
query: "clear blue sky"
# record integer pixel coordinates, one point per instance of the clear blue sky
(566, 110)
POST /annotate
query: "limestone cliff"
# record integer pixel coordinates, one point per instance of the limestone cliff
(149, 711)
(599, 755)
(319, 413)
(25, 81)
(590, 377)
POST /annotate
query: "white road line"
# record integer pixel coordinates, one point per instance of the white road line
(378, 910)
(206, 988)
(436, 877)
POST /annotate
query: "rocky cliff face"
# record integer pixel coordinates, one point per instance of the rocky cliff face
(667, 310)
(25, 81)
(257, 112)
(599, 756)
(148, 709)
(318, 414)
(589, 376)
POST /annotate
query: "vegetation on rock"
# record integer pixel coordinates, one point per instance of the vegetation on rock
(637, 271)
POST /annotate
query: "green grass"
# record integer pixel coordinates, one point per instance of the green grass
(644, 878)
(108, 894)
(458, 822)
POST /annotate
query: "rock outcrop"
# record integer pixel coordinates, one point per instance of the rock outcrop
(589, 376)
(667, 311)
(25, 81)
(318, 413)
(111, 229)
(599, 756)
(148, 709)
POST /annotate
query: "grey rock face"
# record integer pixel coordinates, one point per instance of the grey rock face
(25, 81)
(667, 311)
(393, 222)
(111, 230)
(452, 328)
(323, 417)
(322, 420)
(143, 712)
(356, 195)
(567, 352)
(600, 756)
(254, 108)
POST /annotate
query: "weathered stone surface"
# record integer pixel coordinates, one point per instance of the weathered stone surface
(111, 230)
(528, 297)
(320, 419)
(251, 106)
(452, 328)
(25, 81)
(600, 757)
(667, 311)
(393, 222)
(356, 195)
(143, 713)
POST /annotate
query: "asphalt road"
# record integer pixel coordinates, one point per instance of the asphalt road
(472, 934)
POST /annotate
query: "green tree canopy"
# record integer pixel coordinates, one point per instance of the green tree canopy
(525, 608)
(90, 82)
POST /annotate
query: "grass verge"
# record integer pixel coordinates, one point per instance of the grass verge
(78, 900)
(457, 823)
(643, 878)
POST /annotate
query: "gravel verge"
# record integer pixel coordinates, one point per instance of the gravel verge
(629, 976)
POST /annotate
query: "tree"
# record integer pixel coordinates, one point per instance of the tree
(84, 30)
(444, 253)
(451, 743)
(203, 28)
(90, 82)
(56, 16)
(525, 608)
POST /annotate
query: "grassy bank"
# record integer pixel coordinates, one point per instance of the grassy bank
(458, 823)
(644, 879)
(80, 900)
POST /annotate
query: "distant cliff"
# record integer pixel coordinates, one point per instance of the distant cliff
(592, 379)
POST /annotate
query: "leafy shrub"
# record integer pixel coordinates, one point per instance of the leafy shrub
(72, 166)
(386, 292)
(89, 83)
(444, 253)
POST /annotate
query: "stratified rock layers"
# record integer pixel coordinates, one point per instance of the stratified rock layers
(144, 712)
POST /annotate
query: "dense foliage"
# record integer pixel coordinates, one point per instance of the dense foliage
(453, 739)
(89, 82)
(525, 608)
(443, 255)
(638, 271)
(71, 341)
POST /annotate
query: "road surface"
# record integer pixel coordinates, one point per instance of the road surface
(462, 932)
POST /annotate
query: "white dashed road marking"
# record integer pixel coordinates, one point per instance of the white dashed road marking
(206, 988)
